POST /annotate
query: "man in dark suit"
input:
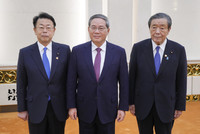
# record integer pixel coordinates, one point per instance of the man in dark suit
(96, 68)
(41, 80)
(157, 79)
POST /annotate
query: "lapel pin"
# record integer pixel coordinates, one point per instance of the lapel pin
(171, 52)
(166, 57)
(57, 54)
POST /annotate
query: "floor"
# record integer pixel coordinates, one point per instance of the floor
(188, 123)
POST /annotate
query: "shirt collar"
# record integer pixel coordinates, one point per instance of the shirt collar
(162, 46)
(103, 46)
(41, 47)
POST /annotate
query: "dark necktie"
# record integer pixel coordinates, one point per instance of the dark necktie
(97, 63)
(46, 63)
(157, 59)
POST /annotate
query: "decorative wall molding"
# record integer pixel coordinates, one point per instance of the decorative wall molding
(8, 75)
(8, 92)
(193, 69)
(193, 98)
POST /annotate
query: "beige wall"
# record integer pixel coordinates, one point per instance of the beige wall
(186, 23)
(16, 24)
(128, 20)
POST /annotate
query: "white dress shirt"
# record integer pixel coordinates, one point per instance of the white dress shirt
(161, 50)
(48, 52)
(103, 54)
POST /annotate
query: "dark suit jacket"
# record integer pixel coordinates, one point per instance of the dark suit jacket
(88, 95)
(33, 85)
(167, 89)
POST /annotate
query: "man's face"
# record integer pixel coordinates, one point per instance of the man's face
(44, 31)
(98, 31)
(159, 30)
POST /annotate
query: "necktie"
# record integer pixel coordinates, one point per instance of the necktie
(46, 62)
(157, 59)
(97, 63)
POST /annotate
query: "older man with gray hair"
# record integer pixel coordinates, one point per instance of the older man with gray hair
(157, 78)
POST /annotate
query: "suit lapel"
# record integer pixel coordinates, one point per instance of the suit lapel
(167, 54)
(107, 62)
(38, 60)
(149, 56)
(55, 58)
(88, 57)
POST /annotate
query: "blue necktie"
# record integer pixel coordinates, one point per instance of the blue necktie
(157, 59)
(46, 63)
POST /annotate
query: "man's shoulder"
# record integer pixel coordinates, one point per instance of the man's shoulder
(114, 46)
(61, 45)
(143, 42)
(174, 44)
(29, 47)
(83, 45)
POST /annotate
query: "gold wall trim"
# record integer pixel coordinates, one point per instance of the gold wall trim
(8, 76)
(192, 97)
(193, 69)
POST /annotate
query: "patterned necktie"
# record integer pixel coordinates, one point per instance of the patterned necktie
(46, 63)
(97, 63)
(157, 59)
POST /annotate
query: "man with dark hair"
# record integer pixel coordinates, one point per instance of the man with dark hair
(157, 79)
(95, 70)
(41, 80)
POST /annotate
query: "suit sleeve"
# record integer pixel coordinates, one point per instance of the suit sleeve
(68, 59)
(181, 82)
(123, 82)
(132, 75)
(21, 83)
(72, 81)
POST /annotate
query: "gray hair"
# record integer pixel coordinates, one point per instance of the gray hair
(101, 16)
(161, 16)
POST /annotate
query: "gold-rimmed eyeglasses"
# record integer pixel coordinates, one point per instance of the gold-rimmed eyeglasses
(48, 28)
(100, 29)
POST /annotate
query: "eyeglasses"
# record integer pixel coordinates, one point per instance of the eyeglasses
(100, 29)
(42, 28)
(161, 29)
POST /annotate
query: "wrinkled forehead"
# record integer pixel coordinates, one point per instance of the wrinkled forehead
(44, 21)
(159, 21)
(98, 21)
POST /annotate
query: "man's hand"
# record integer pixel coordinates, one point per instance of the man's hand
(73, 113)
(132, 109)
(120, 115)
(177, 114)
(23, 115)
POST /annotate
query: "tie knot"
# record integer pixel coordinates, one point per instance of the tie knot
(157, 49)
(98, 49)
(45, 49)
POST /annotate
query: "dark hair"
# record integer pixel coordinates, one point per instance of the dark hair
(160, 16)
(43, 15)
(101, 16)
